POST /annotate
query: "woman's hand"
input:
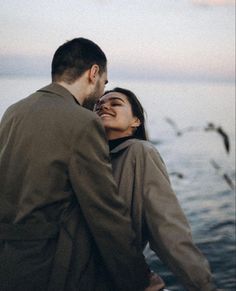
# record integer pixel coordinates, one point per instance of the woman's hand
(156, 283)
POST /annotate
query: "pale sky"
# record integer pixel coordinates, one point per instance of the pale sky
(143, 39)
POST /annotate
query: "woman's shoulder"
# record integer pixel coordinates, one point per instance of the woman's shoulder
(143, 145)
(148, 152)
(136, 147)
(146, 149)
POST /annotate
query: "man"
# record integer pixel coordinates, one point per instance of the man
(62, 224)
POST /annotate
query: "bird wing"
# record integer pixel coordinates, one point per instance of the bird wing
(173, 125)
(225, 138)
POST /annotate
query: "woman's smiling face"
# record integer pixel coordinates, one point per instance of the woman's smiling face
(116, 113)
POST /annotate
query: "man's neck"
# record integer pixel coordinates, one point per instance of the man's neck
(75, 89)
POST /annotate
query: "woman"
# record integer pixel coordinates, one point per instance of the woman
(144, 184)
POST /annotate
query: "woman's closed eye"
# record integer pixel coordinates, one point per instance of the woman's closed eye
(116, 104)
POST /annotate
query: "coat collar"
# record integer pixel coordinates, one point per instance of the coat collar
(59, 90)
(123, 145)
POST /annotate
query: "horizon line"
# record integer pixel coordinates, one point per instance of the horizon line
(163, 78)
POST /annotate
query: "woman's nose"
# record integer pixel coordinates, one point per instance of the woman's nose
(105, 105)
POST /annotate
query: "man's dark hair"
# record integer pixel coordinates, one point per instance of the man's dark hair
(75, 57)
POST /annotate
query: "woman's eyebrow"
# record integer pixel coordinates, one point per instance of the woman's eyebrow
(117, 98)
(100, 102)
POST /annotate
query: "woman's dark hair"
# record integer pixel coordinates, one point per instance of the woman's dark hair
(75, 57)
(137, 110)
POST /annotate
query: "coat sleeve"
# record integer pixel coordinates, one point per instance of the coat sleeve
(105, 213)
(168, 229)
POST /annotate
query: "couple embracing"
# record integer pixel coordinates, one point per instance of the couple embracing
(74, 215)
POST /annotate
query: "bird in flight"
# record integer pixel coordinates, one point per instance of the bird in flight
(224, 175)
(210, 127)
(218, 129)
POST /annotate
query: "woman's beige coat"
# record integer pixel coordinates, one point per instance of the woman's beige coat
(156, 214)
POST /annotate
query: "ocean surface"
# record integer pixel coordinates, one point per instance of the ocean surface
(201, 171)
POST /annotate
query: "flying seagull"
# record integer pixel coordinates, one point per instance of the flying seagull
(177, 174)
(221, 132)
(210, 127)
(177, 130)
(225, 176)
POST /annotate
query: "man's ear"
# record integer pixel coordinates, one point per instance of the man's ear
(93, 73)
(136, 122)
